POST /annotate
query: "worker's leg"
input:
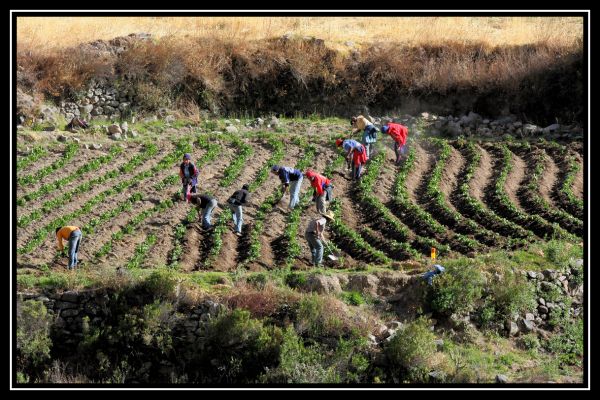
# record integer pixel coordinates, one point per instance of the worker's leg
(358, 171)
(294, 192)
(310, 238)
(238, 218)
(321, 204)
(397, 152)
(319, 251)
(207, 213)
(73, 247)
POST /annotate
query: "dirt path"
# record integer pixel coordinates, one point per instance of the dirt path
(548, 180)
(515, 179)
(423, 163)
(382, 189)
(482, 176)
(452, 167)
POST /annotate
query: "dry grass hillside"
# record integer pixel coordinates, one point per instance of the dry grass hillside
(33, 32)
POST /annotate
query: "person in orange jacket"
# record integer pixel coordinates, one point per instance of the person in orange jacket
(323, 189)
(399, 133)
(73, 235)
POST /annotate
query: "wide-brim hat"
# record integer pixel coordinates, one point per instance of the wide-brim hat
(329, 216)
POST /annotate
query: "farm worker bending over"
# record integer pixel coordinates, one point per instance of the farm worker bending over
(314, 236)
(323, 189)
(73, 235)
(357, 152)
(188, 174)
(399, 133)
(428, 276)
(238, 199)
(369, 131)
(207, 204)
(290, 178)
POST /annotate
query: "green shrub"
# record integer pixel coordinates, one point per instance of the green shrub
(295, 279)
(33, 340)
(237, 348)
(320, 317)
(300, 364)
(411, 349)
(568, 345)
(456, 290)
(513, 295)
(160, 283)
(353, 298)
(258, 281)
(551, 292)
(529, 342)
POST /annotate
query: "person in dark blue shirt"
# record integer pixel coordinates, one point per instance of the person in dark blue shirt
(291, 180)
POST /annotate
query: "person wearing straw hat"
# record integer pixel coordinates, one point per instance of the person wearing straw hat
(314, 237)
(189, 176)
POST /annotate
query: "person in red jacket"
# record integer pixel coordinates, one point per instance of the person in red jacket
(323, 190)
(357, 152)
(399, 133)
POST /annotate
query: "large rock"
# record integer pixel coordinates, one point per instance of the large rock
(501, 379)
(363, 284)
(526, 325)
(511, 328)
(323, 284)
(231, 129)
(114, 129)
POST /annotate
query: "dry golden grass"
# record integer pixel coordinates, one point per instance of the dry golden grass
(34, 33)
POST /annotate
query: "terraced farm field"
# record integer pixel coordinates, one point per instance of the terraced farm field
(461, 197)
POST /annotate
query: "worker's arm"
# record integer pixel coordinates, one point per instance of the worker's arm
(60, 243)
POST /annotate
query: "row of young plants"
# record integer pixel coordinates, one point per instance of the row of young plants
(290, 234)
(129, 227)
(233, 170)
(419, 220)
(254, 245)
(352, 242)
(61, 201)
(568, 200)
(212, 151)
(478, 211)
(384, 220)
(498, 198)
(40, 235)
(569, 167)
(36, 153)
(90, 166)
(536, 204)
(69, 153)
(438, 206)
(390, 247)
(220, 226)
(141, 251)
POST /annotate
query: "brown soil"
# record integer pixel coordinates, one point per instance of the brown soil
(515, 178)
(423, 162)
(454, 164)
(548, 180)
(482, 175)
(578, 182)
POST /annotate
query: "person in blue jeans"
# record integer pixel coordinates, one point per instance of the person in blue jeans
(428, 276)
(291, 179)
(206, 204)
(314, 237)
(73, 235)
(237, 200)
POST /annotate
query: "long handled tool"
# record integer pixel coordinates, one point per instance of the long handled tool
(332, 255)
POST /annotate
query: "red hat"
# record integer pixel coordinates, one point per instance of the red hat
(339, 142)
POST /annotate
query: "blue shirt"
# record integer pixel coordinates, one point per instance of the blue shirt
(287, 174)
(350, 144)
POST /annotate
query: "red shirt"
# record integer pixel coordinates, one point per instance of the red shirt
(398, 132)
(318, 182)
